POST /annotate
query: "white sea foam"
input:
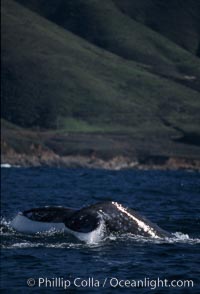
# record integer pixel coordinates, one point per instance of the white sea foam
(179, 237)
(63, 240)
(8, 165)
(5, 222)
(5, 228)
(78, 245)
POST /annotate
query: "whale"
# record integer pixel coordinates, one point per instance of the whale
(90, 223)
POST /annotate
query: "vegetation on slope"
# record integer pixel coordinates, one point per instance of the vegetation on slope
(125, 28)
(97, 67)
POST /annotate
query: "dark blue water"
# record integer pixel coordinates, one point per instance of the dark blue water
(171, 199)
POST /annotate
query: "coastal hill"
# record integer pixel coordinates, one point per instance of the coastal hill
(102, 79)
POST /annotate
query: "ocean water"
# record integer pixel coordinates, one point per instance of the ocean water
(57, 262)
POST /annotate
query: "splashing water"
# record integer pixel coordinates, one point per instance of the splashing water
(54, 238)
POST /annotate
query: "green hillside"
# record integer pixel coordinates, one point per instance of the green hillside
(119, 27)
(176, 19)
(99, 67)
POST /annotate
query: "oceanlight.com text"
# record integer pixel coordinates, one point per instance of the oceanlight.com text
(108, 282)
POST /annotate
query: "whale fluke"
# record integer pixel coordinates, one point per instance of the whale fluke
(108, 217)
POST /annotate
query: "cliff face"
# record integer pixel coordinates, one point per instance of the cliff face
(101, 78)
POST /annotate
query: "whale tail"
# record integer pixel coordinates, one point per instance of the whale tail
(55, 214)
(41, 219)
(90, 223)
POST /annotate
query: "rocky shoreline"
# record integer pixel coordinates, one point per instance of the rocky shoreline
(51, 159)
(28, 148)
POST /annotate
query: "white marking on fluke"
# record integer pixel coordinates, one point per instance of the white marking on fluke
(140, 223)
(25, 225)
(92, 237)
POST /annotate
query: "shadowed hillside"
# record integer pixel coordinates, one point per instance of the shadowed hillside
(118, 26)
(176, 19)
(91, 67)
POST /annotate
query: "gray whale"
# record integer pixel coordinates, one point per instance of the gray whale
(111, 216)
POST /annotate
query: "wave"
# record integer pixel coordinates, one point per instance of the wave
(8, 165)
(61, 239)
(177, 237)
